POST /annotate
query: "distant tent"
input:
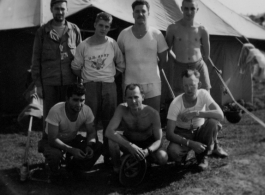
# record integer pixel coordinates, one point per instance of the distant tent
(26, 15)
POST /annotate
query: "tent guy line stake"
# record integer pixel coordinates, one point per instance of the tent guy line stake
(230, 94)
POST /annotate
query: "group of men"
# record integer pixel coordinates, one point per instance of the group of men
(60, 57)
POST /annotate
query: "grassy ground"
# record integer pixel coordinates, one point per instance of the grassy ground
(243, 172)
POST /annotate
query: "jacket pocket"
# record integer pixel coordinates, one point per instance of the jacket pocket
(48, 53)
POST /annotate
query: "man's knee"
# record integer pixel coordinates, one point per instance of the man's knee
(53, 156)
(161, 157)
(113, 145)
(174, 152)
(213, 125)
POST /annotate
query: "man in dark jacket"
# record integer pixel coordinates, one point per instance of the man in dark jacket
(53, 51)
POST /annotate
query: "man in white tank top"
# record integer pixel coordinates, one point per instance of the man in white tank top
(145, 51)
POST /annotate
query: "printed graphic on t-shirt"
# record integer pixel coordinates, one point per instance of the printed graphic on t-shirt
(98, 62)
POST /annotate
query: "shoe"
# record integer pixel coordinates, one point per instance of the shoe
(218, 151)
(203, 165)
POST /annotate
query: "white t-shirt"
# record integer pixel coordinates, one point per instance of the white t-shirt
(141, 55)
(97, 62)
(67, 129)
(176, 108)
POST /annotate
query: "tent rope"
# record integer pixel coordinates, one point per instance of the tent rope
(230, 94)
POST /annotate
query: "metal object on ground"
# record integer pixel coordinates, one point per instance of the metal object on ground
(132, 171)
(24, 172)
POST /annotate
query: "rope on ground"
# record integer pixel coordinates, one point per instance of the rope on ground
(218, 72)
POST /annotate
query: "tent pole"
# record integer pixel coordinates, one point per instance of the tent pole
(41, 12)
(233, 99)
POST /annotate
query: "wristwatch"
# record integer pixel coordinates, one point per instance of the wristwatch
(197, 113)
(149, 150)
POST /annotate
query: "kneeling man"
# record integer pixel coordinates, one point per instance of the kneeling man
(63, 122)
(193, 122)
(142, 136)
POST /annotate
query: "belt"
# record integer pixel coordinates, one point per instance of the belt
(194, 129)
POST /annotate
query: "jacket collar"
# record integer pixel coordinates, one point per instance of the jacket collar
(48, 26)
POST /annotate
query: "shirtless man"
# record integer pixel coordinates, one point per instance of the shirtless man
(142, 136)
(186, 38)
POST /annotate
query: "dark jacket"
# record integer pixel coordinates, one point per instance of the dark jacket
(48, 66)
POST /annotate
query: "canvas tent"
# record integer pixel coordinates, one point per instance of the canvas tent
(26, 15)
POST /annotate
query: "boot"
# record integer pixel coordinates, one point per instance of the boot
(203, 163)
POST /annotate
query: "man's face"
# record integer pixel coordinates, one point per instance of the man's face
(189, 9)
(58, 11)
(76, 102)
(140, 14)
(134, 98)
(102, 28)
(190, 85)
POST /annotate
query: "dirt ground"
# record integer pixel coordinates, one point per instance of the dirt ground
(243, 172)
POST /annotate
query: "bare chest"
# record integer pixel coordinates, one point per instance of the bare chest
(137, 124)
(187, 36)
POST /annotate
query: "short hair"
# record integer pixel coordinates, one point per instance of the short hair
(132, 86)
(75, 89)
(140, 2)
(191, 1)
(103, 16)
(53, 2)
(188, 73)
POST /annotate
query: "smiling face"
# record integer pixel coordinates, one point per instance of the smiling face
(189, 9)
(102, 28)
(76, 102)
(140, 14)
(59, 10)
(134, 98)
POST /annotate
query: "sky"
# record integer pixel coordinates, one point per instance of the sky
(245, 7)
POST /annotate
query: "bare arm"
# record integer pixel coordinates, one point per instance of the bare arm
(157, 132)
(214, 112)
(205, 43)
(171, 136)
(91, 139)
(54, 141)
(90, 133)
(113, 126)
(162, 59)
(170, 40)
(175, 138)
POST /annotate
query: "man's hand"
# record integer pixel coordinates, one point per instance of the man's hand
(137, 152)
(77, 153)
(197, 146)
(188, 115)
(89, 152)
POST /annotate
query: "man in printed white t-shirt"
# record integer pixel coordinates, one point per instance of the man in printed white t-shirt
(64, 120)
(94, 62)
(193, 123)
(145, 51)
